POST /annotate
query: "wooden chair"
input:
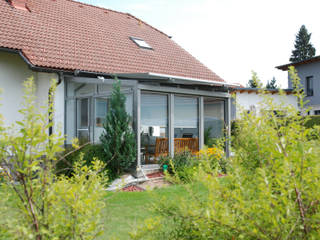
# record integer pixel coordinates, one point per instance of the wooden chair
(183, 144)
(161, 149)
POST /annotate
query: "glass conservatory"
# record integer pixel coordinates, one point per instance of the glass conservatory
(167, 116)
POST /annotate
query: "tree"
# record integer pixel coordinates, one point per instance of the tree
(272, 84)
(254, 82)
(118, 139)
(303, 48)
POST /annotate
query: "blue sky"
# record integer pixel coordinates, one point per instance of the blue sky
(231, 37)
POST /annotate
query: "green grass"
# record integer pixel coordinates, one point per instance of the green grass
(125, 211)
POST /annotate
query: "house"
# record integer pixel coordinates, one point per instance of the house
(250, 99)
(171, 96)
(309, 73)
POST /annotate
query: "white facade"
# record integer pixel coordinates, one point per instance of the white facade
(251, 101)
(13, 72)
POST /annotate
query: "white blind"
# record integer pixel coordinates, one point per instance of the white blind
(185, 112)
(154, 110)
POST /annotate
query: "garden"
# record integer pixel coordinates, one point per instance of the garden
(268, 189)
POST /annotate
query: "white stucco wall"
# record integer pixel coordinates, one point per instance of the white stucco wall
(245, 101)
(13, 72)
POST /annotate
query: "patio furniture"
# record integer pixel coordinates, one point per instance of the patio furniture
(182, 144)
(161, 147)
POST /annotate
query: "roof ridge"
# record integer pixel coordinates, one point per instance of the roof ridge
(123, 13)
(148, 24)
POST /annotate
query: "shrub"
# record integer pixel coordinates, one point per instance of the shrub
(271, 191)
(118, 139)
(37, 204)
(88, 153)
(313, 121)
(183, 166)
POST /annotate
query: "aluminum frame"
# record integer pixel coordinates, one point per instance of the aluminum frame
(156, 88)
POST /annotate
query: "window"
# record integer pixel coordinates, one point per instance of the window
(141, 43)
(101, 111)
(83, 119)
(213, 119)
(316, 112)
(309, 83)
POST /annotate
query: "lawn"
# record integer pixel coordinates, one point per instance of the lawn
(126, 210)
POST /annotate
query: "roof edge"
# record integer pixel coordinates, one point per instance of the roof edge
(285, 67)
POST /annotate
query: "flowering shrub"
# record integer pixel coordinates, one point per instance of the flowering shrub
(183, 166)
(213, 158)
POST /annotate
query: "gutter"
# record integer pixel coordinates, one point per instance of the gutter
(37, 69)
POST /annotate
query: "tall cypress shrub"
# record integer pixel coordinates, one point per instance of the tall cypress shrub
(118, 138)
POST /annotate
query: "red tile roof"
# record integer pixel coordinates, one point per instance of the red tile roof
(68, 35)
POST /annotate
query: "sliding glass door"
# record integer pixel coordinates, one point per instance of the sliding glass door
(186, 124)
(154, 127)
(214, 123)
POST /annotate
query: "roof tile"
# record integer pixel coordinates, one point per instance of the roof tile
(66, 34)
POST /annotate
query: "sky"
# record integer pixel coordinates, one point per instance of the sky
(231, 37)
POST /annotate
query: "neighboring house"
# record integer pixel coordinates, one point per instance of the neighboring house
(309, 73)
(171, 96)
(250, 99)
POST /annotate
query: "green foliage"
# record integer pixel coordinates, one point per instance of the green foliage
(181, 166)
(37, 204)
(303, 48)
(271, 190)
(254, 82)
(313, 121)
(88, 152)
(118, 139)
(272, 84)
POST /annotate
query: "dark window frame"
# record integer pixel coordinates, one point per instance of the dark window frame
(316, 112)
(309, 86)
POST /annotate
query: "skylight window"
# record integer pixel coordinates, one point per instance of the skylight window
(141, 43)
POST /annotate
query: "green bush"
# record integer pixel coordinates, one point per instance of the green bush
(181, 165)
(271, 190)
(34, 202)
(88, 152)
(313, 121)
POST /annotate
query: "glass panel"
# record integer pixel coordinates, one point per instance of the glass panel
(213, 120)
(129, 103)
(101, 113)
(154, 127)
(186, 124)
(70, 120)
(83, 119)
(85, 89)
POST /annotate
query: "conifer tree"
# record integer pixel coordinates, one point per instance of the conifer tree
(303, 48)
(118, 139)
(272, 84)
(254, 82)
